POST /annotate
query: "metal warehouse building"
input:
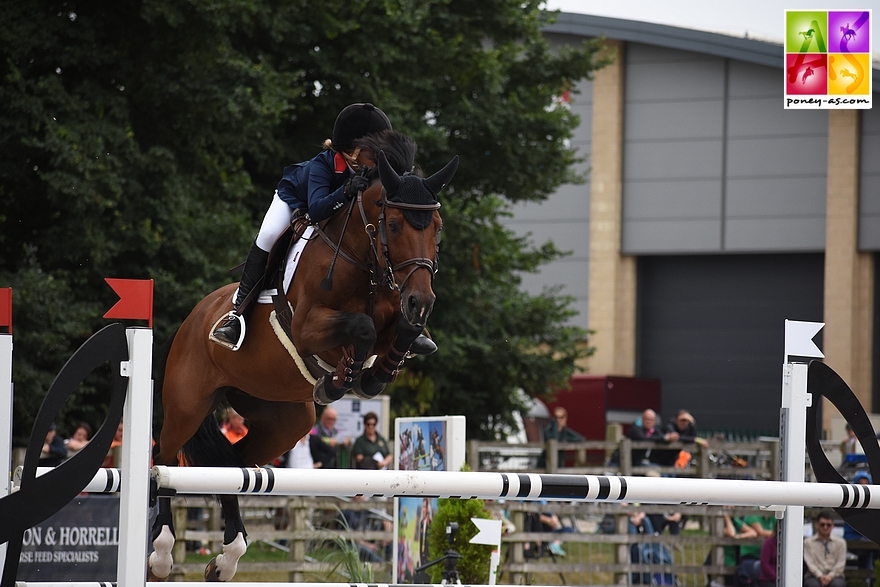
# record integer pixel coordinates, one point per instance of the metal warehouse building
(710, 216)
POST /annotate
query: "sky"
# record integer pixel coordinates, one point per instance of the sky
(762, 19)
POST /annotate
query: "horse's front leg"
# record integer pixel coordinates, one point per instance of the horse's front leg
(356, 334)
(386, 369)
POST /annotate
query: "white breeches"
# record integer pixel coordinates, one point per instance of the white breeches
(274, 222)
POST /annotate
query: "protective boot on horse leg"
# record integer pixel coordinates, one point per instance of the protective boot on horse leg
(230, 333)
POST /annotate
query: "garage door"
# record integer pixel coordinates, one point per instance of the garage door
(711, 329)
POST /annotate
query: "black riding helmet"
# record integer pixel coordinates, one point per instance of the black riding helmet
(356, 121)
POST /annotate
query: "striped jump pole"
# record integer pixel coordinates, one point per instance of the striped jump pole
(107, 480)
(531, 486)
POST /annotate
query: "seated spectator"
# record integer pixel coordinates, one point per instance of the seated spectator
(233, 426)
(645, 429)
(80, 438)
(558, 430)
(769, 555)
(735, 528)
(550, 523)
(824, 554)
(54, 451)
(682, 429)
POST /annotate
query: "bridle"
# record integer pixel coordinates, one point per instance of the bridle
(388, 278)
(379, 265)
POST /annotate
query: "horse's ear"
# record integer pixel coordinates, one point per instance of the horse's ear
(389, 177)
(439, 180)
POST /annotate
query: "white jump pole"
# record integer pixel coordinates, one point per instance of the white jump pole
(107, 480)
(5, 424)
(135, 470)
(793, 439)
(527, 487)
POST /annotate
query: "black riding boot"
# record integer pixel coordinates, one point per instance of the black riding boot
(229, 332)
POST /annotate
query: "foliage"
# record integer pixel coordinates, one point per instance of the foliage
(145, 139)
(345, 560)
(473, 567)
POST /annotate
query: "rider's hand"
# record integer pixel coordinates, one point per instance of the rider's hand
(357, 183)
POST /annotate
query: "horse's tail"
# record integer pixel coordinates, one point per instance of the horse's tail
(209, 447)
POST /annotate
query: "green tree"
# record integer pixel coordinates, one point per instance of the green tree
(145, 139)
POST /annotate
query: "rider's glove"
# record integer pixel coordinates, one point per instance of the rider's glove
(355, 184)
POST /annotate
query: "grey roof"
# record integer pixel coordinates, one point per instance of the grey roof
(742, 49)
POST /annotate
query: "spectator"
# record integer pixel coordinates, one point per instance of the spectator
(300, 456)
(550, 523)
(682, 429)
(558, 430)
(824, 554)
(110, 459)
(642, 430)
(80, 438)
(735, 528)
(769, 554)
(850, 446)
(54, 451)
(371, 450)
(326, 451)
(233, 426)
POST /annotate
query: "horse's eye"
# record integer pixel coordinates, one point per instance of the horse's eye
(394, 226)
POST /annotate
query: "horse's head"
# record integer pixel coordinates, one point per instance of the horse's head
(409, 230)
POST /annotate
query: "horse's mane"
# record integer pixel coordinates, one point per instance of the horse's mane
(399, 149)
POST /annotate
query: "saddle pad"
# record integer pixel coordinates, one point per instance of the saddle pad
(289, 267)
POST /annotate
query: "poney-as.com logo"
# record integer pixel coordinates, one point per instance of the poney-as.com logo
(828, 59)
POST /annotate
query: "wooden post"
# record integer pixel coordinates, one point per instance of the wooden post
(552, 449)
(298, 514)
(473, 455)
(516, 548)
(626, 459)
(621, 551)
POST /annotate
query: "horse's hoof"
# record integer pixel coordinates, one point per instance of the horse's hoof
(212, 575)
(325, 393)
(368, 391)
(152, 578)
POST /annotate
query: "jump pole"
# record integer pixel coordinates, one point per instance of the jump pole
(135, 471)
(526, 487)
(5, 423)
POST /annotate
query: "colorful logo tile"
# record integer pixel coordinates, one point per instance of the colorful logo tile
(828, 59)
(807, 74)
(849, 32)
(849, 74)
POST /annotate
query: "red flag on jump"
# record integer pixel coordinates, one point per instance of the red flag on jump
(135, 299)
(6, 308)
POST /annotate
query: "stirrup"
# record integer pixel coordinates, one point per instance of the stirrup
(223, 343)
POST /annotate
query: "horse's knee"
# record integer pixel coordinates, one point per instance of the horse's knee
(362, 332)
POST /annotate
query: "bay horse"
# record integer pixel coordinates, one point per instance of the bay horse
(374, 301)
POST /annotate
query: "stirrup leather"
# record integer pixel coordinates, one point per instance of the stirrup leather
(223, 343)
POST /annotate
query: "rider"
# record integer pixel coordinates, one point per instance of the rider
(320, 186)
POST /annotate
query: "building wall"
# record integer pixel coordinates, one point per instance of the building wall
(711, 215)
(710, 165)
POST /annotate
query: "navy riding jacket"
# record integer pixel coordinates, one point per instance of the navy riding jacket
(316, 185)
